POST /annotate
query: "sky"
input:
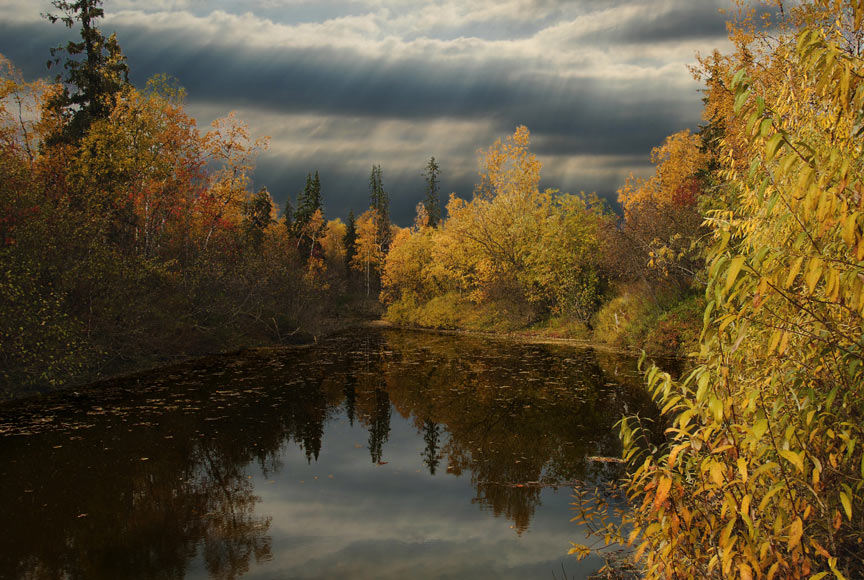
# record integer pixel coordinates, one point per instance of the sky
(340, 85)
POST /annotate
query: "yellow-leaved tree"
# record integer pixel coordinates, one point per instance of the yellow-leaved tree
(762, 473)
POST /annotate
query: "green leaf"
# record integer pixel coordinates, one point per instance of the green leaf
(847, 504)
(773, 145)
(765, 127)
(741, 99)
(737, 77)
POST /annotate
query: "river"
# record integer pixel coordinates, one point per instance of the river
(375, 454)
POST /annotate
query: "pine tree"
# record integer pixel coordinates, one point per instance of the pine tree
(91, 84)
(308, 202)
(306, 228)
(350, 240)
(380, 202)
(432, 202)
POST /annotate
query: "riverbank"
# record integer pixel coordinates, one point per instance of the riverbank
(137, 364)
(663, 322)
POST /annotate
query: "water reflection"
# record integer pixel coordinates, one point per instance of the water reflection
(207, 469)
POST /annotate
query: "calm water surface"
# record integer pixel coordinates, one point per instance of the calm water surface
(375, 455)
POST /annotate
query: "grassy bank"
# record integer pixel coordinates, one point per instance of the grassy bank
(633, 318)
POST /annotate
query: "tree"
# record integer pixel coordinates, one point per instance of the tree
(332, 244)
(230, 147)
(91, 84)
(368, 254)
(308, 205)
(141, 168)
(760, 476)
(379, 201)
(501, 225)
(662, 216)
(257, 216)
(349, 242)
(432, 201)
(511, 245)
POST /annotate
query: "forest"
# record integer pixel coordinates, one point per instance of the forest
(130, 237)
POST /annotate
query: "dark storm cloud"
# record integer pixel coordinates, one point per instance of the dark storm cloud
(693, 21)
(697, 20)
(586, 115)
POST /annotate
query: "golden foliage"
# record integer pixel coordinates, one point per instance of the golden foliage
(762, 474)
(509, 242)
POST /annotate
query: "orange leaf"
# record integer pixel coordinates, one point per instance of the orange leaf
(662, 492)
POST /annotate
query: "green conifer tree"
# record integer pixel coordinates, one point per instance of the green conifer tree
(91, 84)
(432, 202)
(308, 202)
(349, 241)
(380, 201)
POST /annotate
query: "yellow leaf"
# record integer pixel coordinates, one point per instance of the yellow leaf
(734, 268)
(814, 272)
(717, 472)
(847, 504)
(742, 468)
(784, 343)
(745, 505)
(793, 458)
(849, 228)
(796, 530)
(794, 268)
(773, 145)
(745, 571)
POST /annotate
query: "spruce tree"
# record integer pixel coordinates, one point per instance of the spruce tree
(305, 206)
(308, 203)
(349, 241)
(432, 202)
(380, 202)
(90, 85)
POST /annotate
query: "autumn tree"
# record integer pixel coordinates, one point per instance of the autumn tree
(511, 244)
(409, 274)
(230, 147)
(92, 81)
(368, 253)
(662, 217)
(760, 476)
(142, 167)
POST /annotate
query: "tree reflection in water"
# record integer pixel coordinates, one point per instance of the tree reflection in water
(140, 477)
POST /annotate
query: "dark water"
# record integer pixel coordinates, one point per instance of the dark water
(375, 455)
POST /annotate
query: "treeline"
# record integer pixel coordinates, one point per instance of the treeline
(515, 257)
(130, 236)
